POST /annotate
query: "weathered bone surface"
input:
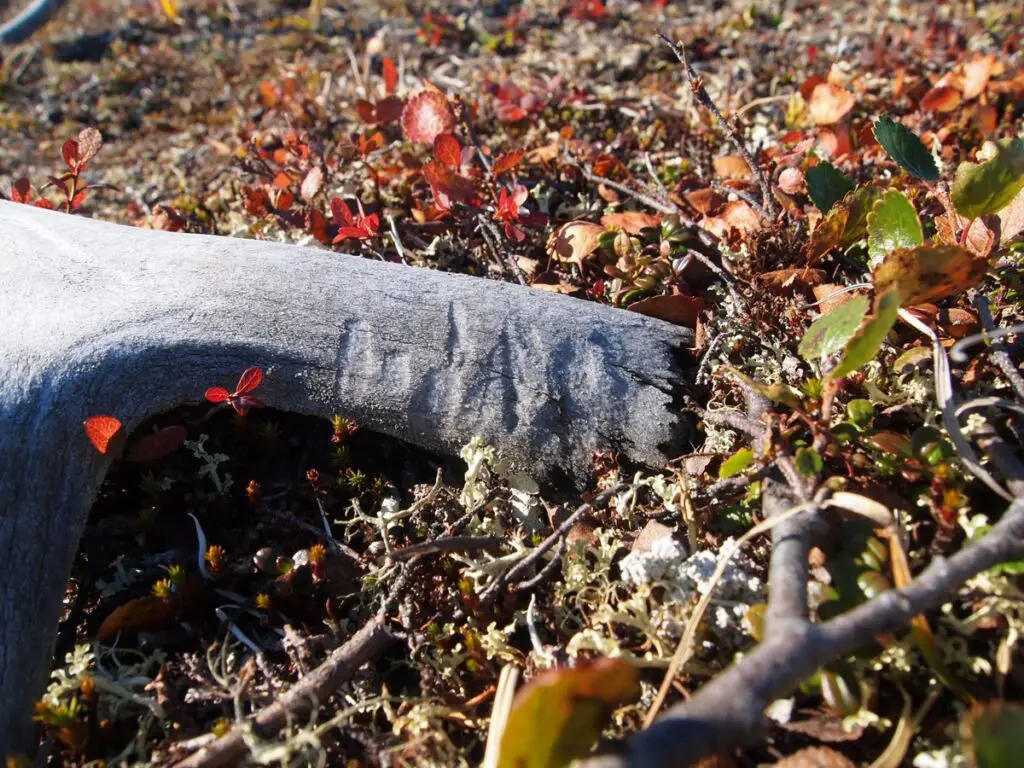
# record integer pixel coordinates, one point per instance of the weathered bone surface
(98, 318)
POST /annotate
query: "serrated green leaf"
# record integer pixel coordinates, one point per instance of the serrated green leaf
(827, 185)
(829, 333)
(892, 224)
(906, 149)
(736, 463)
(858, 204)
(982, 188)
(867, 340)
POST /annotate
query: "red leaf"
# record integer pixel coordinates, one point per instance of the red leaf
(365, 110)
(249, 381)
(443, 179)
(316, 225)
(507, 161)
(510, 113)
(389, 110)
(244, 403)
(426, 116)
(341, 212)
(282, 180)
(70, 153)
(78, 199)
(21, 192)
(390, 76)
(106, 433)
(217, 395)
(448, 150)
(158, 445)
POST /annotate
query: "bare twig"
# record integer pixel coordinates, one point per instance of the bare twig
(701, 94)
(303, 698)
(1000, 354)
(449, 544)
(546, 571)
(743, 195)
(527, 562)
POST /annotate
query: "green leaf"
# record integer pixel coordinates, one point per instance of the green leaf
(860, 411)
(827, 185)
(829, 333)
(559, 715)
(892, 224)
(988, 187)
(906, 149)
(808, 461)
(736, 463)
(858, 204)
(993, 734)
(867, 340)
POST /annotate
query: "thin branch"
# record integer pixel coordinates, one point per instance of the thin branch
(1000, 354)
(546, 571)
(449, 544)
(303, 699)
(700, 92)
(743, 195)
(527, 562)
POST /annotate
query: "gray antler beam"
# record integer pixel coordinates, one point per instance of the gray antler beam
(34, 15)
(103, 319)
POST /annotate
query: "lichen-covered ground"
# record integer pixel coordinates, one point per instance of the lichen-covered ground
(560, 145)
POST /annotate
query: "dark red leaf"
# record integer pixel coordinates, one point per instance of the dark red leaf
(341, 212)
(365, 110)
(21, 192)
(389, 110)
(158, 445)
(70, 154)
(507, 161)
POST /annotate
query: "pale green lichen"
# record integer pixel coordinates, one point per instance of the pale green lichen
(210, 462)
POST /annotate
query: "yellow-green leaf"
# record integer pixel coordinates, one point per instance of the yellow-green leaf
(829, 333)
(560, 714)
(982, 188)
(777, 393)
(736, 463)
(867, 340)
(892, 224)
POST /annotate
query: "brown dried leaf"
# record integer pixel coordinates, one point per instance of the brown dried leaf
(944, 98)
(976, 74)
(678, 309)
(631, 221)
(575, 241)
(786, 282)
(89, 142)
(791, 181)
(829, 104)
(815, 757)
(928, 272)
(731, 167)
(312, 183)
(1011, 219)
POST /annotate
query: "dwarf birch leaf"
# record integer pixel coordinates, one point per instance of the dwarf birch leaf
(736, 463)
(830, 332)
(858, 204)
(892, 224)
(827, 185)
(559, 715)
(906, 149)
(982, 188)
(928, 272)
(867, 340)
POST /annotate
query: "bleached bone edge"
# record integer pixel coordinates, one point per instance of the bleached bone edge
(104, 319)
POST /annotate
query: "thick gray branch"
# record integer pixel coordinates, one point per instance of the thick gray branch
(103, 319)
(728, 711)
(34, 15)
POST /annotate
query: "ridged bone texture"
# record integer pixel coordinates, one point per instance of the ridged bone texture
(104, 319)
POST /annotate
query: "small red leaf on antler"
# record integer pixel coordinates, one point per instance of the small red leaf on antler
(217, 395)
(426, 116)
(106, 433)
(249, 381)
